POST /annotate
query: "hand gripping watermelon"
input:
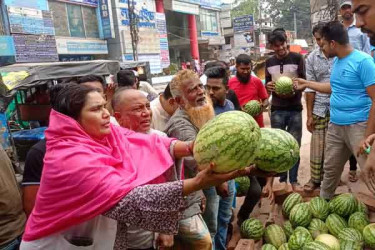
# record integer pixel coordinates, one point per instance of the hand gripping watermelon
(242, 185)
(317, 227)
(229, 140)
(274, 235)
(315, 245)
(253, 108)
(343, 205)
(299, 238)
(300, 215)
(278, 151)
(335, 224)
(284, 247)
(288, 229)
(369, 235)
(268, 247)
(319, 208)
(252, 229)
(358, 221)
(284, 86)
(290, 201)
(350, 245)
(329, 240)
(350, 234)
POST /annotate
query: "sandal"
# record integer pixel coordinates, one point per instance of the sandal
(353, 176)
(311, 186)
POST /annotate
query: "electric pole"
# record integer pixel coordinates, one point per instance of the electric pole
(295, 24)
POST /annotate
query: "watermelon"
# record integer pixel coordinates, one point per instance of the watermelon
(242, 185)
(288, 229)
(278, 151)
(290, 201)
(329, 240)
(300, 215)
(229, 140)
(315, 245)
(274, 235)
(362, 207)
(335, 224)
(350, 245)
(268, 247)
(284, 86)
(343, 205)
(299, 238)
(319, 208)
(253, 108)
(252, 229)
(358, 221)
(317, 227)
(284, 247)
(369, 235)
(350, 234)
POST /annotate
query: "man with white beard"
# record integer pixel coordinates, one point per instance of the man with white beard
(195, 109)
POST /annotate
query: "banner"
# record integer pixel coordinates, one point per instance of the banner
(243, 24)
(105, 13)
(164, 48)
(93, 3)
(35, 48)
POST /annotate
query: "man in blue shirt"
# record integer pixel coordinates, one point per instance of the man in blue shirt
(352, 88)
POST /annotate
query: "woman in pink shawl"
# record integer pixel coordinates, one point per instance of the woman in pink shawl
(96, 175)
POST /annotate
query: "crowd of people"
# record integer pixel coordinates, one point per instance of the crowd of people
(116, 170)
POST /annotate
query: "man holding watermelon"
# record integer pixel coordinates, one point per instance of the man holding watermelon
(352, 88)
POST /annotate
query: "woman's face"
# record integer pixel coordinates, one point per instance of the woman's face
(94, 117)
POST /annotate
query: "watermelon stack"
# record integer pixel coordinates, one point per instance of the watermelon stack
(299, 238)
(343, 205)
(253, 108)
(319, 208)
(292, 200)
(358, 220)
(288, 229)
(316, 245)
(229, 141)
(252, 229)
(284, 86)
(335, 223)
(300, 215)
(242, 185)
(350, 234)
(274, 235)
(317, 227)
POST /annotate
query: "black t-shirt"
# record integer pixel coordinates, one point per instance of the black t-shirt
(34, 164)
(231, 96)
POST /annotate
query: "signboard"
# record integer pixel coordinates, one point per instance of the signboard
(243, 23)
(154, 60)
(81, 46)
(30, 21)
(7, 46)
(105, 13)
(211, 4)
(35, 48)
(34, 4)
(244, 40)
(186, 8)
(161, 25)
(209, 33)
(93, 3)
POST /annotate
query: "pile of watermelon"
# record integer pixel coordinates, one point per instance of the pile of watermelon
(341, 224)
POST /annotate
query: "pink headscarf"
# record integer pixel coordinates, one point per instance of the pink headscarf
(83, 177)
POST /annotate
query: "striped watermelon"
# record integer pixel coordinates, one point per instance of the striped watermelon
(274, 235)
(300, 215)
(329, 240)
(335, 224)
(284, 86)
(299, 238)
(369, 235)
(229, 140)
(242, 185)
(317, 227)
(290, 201)
(343, 205)
(362, 207)
(288, 229)
(350, 234)
(284, 247)
(278, 151)
(315, 245)
(268, 247)
(253, 108)
(319, 208)
(252, 229)
(350, 245)
(358, 220)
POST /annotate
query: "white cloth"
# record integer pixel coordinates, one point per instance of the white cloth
(160, 117)
(113, 121)
(203, 79)
(146, 87)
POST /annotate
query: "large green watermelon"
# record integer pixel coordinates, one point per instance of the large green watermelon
(350, 234)
(369, 235)
(343, 205)
(290, 201)
(350, 245)
(329, 240)
(300, 215)
(358, 220)
(278, 151)
(252, 229)
(253, 108)
(362, 207)
(229, 140)
(335, 224)
(315, 245)
(319, 208)
(284, 247)
(274, 235)
(317, 227)
(268, 247)
(284, 86)
(288, 229)
(299, 238)
(242, 185)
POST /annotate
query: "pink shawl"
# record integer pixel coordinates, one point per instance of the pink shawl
(83, 177)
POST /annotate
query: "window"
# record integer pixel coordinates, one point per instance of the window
(208, 20)
(74, 20)
(2, 28)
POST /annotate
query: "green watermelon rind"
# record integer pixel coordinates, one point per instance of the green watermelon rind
(300, 215)
(290, 201)
(319, 208)
(242, 185)
(299, 238)
(284, 247)
(253, 108)
(252, 229)
(274, 235)
(343, 205)
(369, 235)
(284, 86)
(315, 245)
(268, 247)
(335, 223)
(359, 221)
(317, 227)
(350, 245)
(288, 229)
